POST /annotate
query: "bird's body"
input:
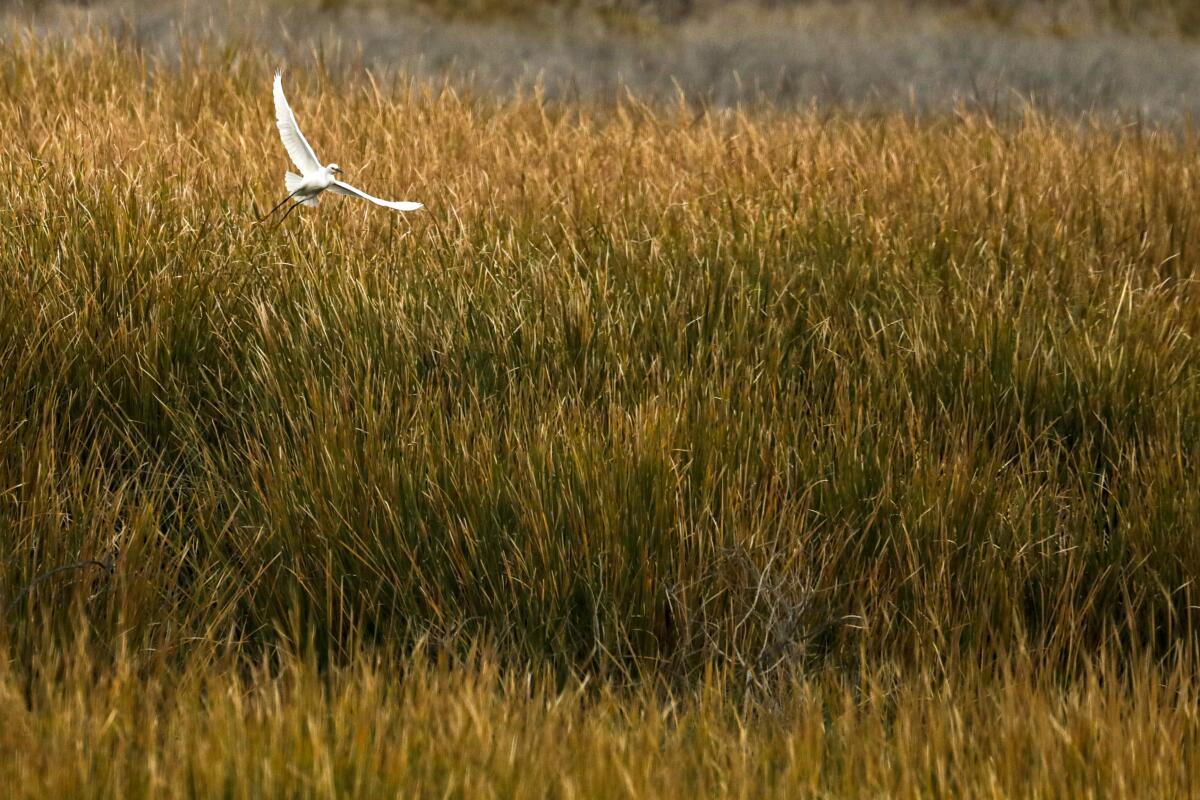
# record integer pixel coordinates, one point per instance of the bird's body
(316, 182)
(314, 177)
(307, 187)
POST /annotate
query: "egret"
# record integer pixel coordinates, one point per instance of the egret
(313, 178)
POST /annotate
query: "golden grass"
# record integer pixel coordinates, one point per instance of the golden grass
(839, 455)
(482, 732)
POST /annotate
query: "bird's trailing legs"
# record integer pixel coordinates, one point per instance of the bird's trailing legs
(292, 208)
(278, 206)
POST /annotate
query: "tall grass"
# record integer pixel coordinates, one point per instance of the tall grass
(359, 732)
(656, 399)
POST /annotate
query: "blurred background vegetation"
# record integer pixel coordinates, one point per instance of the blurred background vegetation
(1130, 61)
(1159, 15)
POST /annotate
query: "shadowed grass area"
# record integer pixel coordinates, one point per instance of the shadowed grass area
(671, 401)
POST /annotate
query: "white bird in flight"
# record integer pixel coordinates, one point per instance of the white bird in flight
(313, 178)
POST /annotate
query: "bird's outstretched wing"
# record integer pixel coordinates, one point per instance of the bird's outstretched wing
(297, 146)
(339, 187)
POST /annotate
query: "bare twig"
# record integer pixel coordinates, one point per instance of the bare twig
(107, 566)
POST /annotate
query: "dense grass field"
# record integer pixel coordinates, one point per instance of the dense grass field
(669, 451)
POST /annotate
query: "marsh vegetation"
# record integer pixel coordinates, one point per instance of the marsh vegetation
(672, 449)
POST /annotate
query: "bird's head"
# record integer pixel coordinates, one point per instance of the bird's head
(335, 169)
